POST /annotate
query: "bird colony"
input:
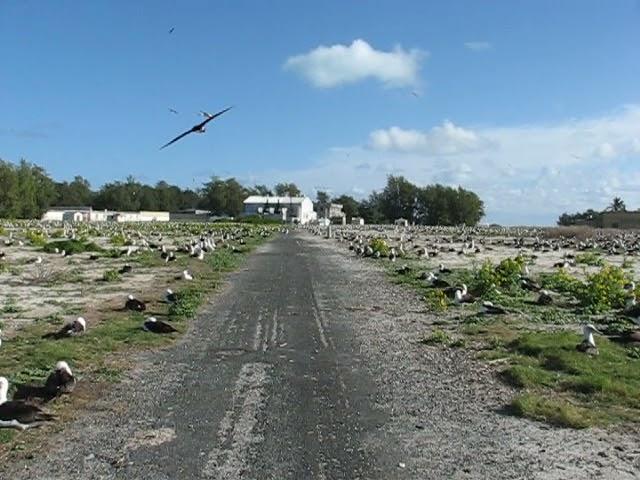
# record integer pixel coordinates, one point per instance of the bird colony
(555, 310)
(65, 280)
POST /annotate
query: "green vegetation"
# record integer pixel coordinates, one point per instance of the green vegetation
(552, 410)
(604, 290)
(437, 337)
(590, 258)
(111, 276)
(558, 384)
(380, 245)
(37, 239)
(542, 363)
(118, 240)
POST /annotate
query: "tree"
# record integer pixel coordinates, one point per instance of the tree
(287, 190)
(224, 197)
(349, 204)
(323, 201)
(398, 199)
(75, 193)
(369, 209)
(261, 190)
(617, 205)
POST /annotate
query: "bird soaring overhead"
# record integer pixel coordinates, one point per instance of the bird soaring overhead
(173, 111)
(199, 128)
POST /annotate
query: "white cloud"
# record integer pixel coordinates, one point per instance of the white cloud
(606, 150)
(478, 46)
(327, 67)
(525, 174)
(446, 139)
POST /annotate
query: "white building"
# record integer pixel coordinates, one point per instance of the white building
(289, 209)
(357, 221)
(87, 214)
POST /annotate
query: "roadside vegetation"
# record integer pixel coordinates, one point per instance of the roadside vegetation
(534, 345)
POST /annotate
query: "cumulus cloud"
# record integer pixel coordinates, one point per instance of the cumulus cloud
(445, 139)
(326, 67)
(526, 174)
(478, 46)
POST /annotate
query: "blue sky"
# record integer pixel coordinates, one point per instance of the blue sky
(533, 104)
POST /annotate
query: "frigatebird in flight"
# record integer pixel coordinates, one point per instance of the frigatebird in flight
(173, 111)
(199, 128)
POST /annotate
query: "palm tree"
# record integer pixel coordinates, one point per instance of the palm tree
(617, 205)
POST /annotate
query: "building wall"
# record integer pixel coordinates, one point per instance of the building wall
(53, 216)
(300, 211)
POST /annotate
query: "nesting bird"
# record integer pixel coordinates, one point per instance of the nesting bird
(134, 304)
(61, 380)
(157, 326)
(186, 275)
(588, 344)
(170, 296)
(71, 329)
(490, 309)
(544, 298)
(19, 414)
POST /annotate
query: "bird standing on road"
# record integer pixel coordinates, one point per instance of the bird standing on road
(199, 128)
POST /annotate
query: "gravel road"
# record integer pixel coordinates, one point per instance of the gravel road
(307, 366)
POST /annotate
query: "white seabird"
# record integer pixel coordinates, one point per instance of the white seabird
(588, 344)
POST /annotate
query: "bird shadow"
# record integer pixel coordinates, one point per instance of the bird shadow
(32, 393)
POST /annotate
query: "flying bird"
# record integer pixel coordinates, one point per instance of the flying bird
(172, 29)
(199, 128)
(173, 111)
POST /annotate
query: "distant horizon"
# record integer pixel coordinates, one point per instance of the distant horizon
(538, 114)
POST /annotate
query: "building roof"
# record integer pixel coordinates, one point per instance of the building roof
(66, 209)
(273, 200)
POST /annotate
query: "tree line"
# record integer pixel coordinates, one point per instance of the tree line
(429, 205)
(589, 215)
(27, 191)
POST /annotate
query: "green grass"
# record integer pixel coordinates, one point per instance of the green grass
(111, 276)
(590, 258)
(553, 411)
(437, 337)
(549, 365)
(557, 384)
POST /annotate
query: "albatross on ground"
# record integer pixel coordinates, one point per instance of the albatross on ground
(71, 329)
(588, 344)
(154, 325)
(19, 414)
(134, 304)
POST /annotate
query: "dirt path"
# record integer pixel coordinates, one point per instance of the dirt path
(308, 366)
